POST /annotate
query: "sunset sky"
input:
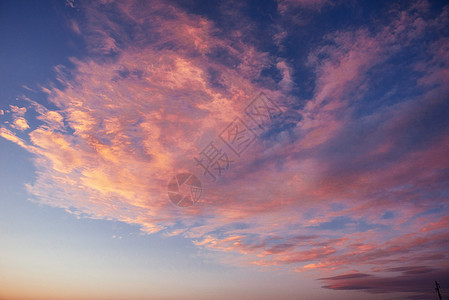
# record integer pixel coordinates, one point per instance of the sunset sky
(317, 129)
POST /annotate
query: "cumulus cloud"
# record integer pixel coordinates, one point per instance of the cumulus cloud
(18, 120)
(18, 111)
(20, 124)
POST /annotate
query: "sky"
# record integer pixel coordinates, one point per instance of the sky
(285, 149)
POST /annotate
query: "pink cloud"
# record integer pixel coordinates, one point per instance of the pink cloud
(123, 127)
(20, 123)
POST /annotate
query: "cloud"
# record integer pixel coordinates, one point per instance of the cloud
(20, 124)
(18, 120)
(312, 193)
(19, 111)
(10, 136)
(414, 286)
(75, 26)
(70, 3)
(284, 6)
(116, 138)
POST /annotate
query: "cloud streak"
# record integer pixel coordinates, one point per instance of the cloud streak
(356, 184)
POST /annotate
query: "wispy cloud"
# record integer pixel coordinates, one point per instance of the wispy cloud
(350, 185)
(284, 6)
(408, 281)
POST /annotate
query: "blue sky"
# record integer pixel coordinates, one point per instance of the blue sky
(340, 194)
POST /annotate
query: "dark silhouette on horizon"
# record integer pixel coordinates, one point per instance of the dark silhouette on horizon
(437, 288)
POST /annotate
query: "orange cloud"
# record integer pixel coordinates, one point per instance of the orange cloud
(310, 199)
